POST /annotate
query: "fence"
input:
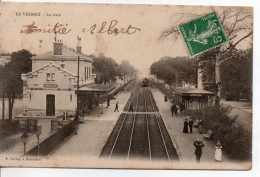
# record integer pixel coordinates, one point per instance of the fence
(51, 142)
(14, 126)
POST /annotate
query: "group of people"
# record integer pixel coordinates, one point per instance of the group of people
(175, 108)
(188, 123)
(198, 150)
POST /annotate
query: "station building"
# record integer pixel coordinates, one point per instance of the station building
(50, 89)
(193, 98)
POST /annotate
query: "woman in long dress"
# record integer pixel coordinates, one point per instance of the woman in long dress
(185, 128)
(218, 152)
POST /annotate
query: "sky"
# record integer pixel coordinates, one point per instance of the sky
(141, 48)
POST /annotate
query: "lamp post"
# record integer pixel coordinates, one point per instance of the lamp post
(24, 140)
(101, 105)
(38, 133)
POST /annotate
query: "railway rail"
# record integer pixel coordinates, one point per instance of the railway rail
(140, 134)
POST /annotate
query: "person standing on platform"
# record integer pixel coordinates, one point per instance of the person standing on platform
(176, 110)
(173, 108)
(165, 98)
(198, 151)
(190, 124)
(108, 102)
(218, 152)
(131, 108)
(116, 108)
(200, 126)
(182, 107)
(185, 128)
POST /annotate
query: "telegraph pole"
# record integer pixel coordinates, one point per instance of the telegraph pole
(77, 111)
(176, 79)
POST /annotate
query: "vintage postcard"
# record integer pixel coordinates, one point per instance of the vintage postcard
(126, 86)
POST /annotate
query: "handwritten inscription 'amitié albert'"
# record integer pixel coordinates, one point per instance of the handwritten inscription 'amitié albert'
(104, 27)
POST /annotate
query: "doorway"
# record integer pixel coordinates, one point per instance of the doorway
(50, 105)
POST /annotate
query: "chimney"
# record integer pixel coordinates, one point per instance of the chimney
(78, 44)
(57, 47)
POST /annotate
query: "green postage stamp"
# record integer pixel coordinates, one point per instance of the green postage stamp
(203, 33)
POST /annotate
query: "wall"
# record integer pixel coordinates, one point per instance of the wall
(62, 101)
(71, 66)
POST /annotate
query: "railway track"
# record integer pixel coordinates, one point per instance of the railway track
(140, 134)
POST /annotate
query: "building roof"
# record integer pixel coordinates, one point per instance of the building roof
(187, 91)
(67, 53)
(97, 88)
(50, 64)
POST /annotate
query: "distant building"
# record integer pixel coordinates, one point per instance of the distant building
(50, 89)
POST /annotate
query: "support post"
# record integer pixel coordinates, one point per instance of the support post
(24, 148)
(101, 107)
(98, 105)
(3, 109)
(176, 75)
(38, 143)
(77, 110)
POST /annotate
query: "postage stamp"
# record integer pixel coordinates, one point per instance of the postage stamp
(203, 33)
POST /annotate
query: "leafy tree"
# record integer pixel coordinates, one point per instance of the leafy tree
(168, 69)
(2, 88)
(237, 75)
(126, 69)
(13, 85)
(106, 67)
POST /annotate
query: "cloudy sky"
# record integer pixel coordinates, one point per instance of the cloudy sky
(141, 48)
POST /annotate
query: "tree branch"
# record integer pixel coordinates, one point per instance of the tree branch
(226, 59)
(246, 36)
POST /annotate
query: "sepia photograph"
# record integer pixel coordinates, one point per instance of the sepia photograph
(126, 86)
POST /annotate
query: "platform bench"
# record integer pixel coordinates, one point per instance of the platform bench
(196, 123)
(209, 135)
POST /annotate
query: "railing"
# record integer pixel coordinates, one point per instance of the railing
(54, 140)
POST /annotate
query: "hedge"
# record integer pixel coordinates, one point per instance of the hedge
(236, 141)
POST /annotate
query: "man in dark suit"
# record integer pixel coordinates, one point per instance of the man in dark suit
(198, 152)
(190, 124)
(116, 108)
(173, 108)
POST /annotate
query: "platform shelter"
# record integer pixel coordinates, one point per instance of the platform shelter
(193, 98)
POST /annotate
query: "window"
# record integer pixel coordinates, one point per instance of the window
(30, 96)
(53, 76)
(89, 72)
(70, 97)
(48, 78)
(85, 73)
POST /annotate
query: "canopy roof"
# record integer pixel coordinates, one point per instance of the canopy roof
(67, 54)
(187, 91)
(97, 88)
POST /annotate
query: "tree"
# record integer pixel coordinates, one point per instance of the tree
(20, 63)
(169, 69)
(2, 87)
(238, 25)
(236, 75)
(126, 69)
(106, 67)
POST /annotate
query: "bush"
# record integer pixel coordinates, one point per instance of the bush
(236, 141)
